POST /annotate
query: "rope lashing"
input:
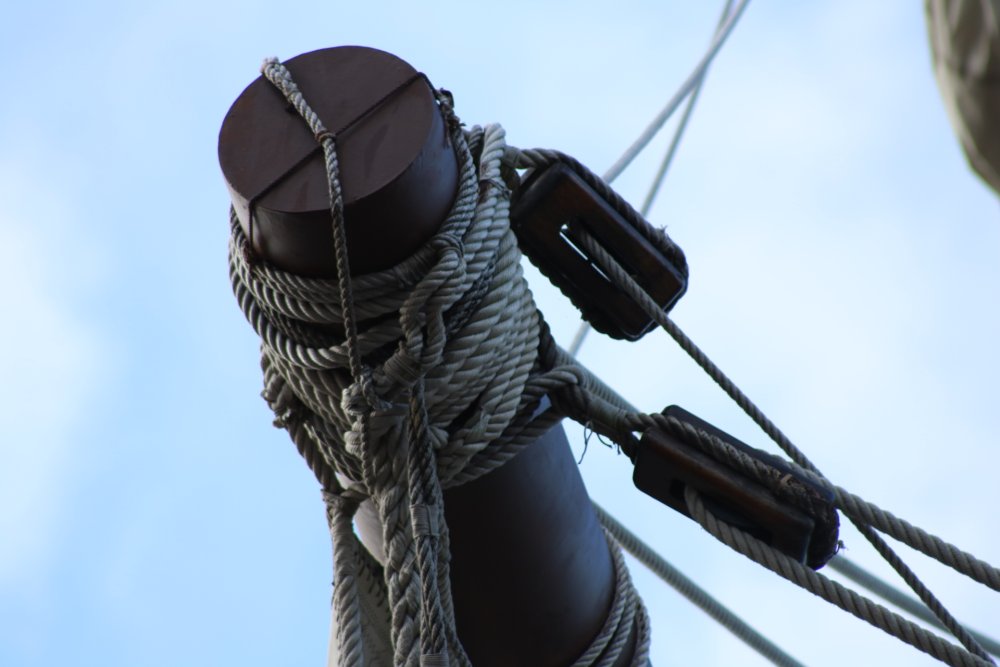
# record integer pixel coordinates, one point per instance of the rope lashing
(398, 384)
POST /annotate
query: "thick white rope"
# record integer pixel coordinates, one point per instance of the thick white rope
(398, 384)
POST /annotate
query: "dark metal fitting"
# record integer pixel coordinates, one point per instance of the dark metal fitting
(551, 209)
(788, 511)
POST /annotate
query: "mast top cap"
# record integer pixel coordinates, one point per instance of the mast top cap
(397, 171)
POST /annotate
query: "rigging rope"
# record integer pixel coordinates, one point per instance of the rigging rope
(694, 593)
(864, 515)
(626, 538)
(893, 595)
(369, 373)
(398, 384)
(915, 537)
(669, 574)
(830, 590)
(693, 80)
(727, 21)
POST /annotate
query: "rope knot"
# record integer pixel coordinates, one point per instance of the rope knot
(354, 401)
(361, 397)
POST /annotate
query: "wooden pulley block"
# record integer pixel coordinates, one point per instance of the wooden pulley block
(805, 530)
(398, 171)
(552, 208)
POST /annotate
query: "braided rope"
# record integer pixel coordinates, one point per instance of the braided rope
(893, 595)
(856, 509)
(831, 591)
(397, 384)
(694, 593)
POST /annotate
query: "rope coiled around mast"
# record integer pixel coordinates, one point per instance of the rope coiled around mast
(399, 384)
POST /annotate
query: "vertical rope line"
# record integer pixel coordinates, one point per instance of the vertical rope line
(347, 609)
(426, 508)
(278, 74)
(346, 599)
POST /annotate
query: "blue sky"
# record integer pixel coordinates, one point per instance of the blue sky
(844, 271)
